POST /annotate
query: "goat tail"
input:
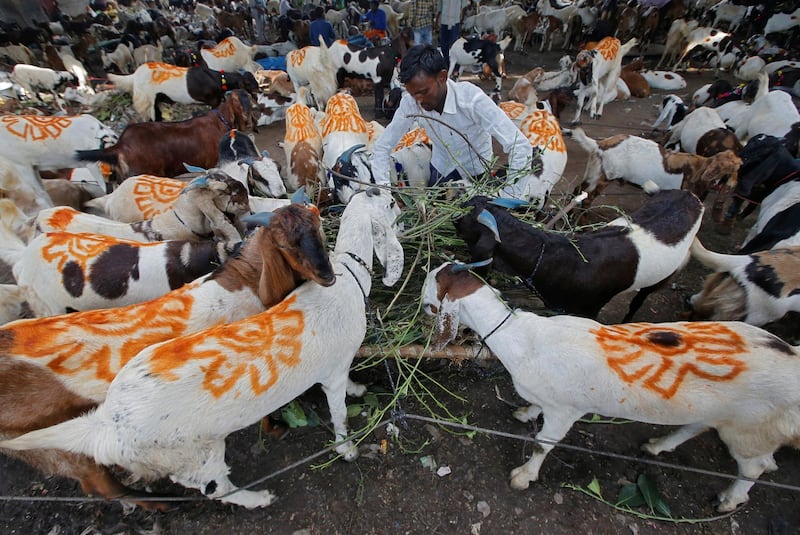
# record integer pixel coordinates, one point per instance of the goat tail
(763, 85)
(98, 155)
(588, 144)
(627, 47)
(80, 435)
(717, 261)
(122, 81)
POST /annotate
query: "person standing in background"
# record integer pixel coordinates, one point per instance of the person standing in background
(377, 21)
(421, 17)
(450, 13)
(320, 27)
(258, 10)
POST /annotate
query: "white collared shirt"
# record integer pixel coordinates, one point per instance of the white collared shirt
(467, 111)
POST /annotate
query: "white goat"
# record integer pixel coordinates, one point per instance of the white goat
(230, 55)
(689, 131)
(11, 303)
(664, 80)
(344, 131)
(34, 79)
(733, 377)
(644, 163)
(676, 40)
(310, 337)
(31, 142)
(311, 66)
(757, 288)
(772, 113)
(146, 54)
(197, 214)
(780, 22)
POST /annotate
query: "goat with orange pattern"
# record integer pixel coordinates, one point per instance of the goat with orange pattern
(59, 367)
(733, 377)
(168, 411)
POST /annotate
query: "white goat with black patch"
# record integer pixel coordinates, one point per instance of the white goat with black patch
(757, 288)
(199, 213)
(168, 411)
(733, 377)
(61, 272)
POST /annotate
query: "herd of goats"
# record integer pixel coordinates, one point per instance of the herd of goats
(179, 294)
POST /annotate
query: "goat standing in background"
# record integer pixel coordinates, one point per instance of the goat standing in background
(170, 408)
(466, 52)
(733, 377)
(598, 72)
(59, 367)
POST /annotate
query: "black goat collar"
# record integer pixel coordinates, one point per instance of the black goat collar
(364, 265)
(201, 236)
(483, 339)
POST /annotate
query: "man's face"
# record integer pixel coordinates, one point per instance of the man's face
(429, 91)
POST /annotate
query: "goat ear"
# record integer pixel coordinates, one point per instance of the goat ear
(300, 196)
(261, 218)
(198, 183)
(388, 250)
(446, 327)
(486, 219)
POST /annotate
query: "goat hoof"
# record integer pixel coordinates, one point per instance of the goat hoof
(520, 479)
(726, 503)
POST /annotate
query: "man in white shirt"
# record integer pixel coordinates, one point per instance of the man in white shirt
(459, 118)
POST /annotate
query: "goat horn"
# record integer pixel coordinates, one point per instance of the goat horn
(248, 161)
(486, 219)
(193, 168)
(198, 183)
(472, 265)
(261, 218)
(300, 196)
(508, 203)
(348, 154)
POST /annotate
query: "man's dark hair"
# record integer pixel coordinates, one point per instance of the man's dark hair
(421, 58)
(317, 13)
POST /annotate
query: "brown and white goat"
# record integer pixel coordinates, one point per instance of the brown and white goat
(161, 149)
(644, 163)
(208, 384)
(59, 367)
(733, 377)
(302, 145)
(580, 273)
(757, 288)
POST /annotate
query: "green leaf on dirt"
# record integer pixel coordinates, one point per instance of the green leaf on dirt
(594, 487)
(294, 415)
(630, 496)
(651, 495)
(353, 410)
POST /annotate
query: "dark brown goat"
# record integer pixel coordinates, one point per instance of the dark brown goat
(579, 274)
(161, 149)
(57, 368)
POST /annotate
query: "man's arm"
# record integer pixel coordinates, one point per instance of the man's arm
(383, 146)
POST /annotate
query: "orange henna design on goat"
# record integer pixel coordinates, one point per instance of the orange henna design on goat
(342, 115)
(297, 56)
(608, 47)
(247, 356)
(542, 129)
(223, 49)
(79, 248)
(35, 128)
(161, 72)
(660, 357)
(300, 124)
(512, 109)
(60, 219)
(112, 336)
(417, 135)
(151, 190)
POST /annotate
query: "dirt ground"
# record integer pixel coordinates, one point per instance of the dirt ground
(403, 489)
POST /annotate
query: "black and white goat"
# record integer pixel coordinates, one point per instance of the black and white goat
(240, 158)
(474, 51)
(206, 385)
(733, 377)
(579, 274)
(34, 79)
